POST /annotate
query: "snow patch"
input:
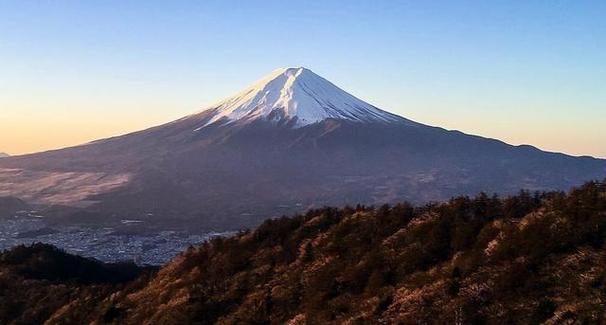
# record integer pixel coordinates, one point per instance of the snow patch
(297, 96)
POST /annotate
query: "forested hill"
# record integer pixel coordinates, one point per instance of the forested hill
(531, 258)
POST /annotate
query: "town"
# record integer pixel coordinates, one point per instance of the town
(106, 244)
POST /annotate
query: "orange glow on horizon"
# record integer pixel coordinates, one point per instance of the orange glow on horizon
(29, 135)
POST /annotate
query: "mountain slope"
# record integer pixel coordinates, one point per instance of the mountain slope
(526, 259)
(10, 205)
(288, 143)
(39, 280)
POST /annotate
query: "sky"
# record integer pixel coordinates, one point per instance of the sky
(525, 72)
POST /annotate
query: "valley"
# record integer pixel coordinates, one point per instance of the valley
(126, 241)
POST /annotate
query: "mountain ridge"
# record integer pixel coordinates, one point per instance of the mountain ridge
(524, 259)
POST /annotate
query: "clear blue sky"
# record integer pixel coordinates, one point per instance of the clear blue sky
(521, 71)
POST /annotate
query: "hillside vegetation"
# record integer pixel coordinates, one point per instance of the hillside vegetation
(39, 280)
(530, 258)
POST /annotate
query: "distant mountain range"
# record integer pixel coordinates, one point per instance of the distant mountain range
(289, 142)
(2, 155)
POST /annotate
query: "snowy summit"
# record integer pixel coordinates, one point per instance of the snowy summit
(297, 96)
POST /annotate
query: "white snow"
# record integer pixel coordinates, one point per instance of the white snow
(297, 95)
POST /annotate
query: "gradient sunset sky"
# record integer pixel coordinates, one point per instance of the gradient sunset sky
(525, 72)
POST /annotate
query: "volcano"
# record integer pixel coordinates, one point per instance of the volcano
(289, 142)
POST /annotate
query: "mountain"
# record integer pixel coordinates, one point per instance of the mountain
(3, 155)
(526, 259)
(289, 142)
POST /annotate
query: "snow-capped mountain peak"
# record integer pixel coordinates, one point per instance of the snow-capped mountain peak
(297, 96)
